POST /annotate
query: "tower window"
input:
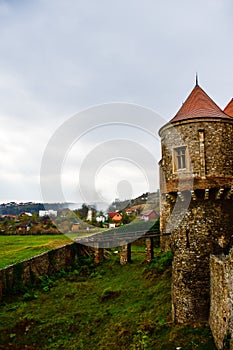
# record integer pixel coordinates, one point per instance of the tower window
(180, 158)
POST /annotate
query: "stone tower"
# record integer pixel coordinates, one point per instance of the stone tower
(196, 184)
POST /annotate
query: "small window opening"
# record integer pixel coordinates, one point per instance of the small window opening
(187, 239)
(180, 158)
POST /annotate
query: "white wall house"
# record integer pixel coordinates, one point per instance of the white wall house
(47, 213)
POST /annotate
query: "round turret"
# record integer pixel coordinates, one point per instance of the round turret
(196, 185)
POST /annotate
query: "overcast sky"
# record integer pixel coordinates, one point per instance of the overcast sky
(58, 58)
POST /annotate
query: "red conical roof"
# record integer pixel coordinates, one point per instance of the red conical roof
(198, 104)
(229, 108)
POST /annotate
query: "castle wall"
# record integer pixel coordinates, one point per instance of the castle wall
(209, 163)
(14, 277)
(206, 228)
(221, 301)
(196, 208)
(218, 149)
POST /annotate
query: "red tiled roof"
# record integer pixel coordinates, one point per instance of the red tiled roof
(198, 104)
(149, 212)
(229, 108)
(111, 215)
(8, 216)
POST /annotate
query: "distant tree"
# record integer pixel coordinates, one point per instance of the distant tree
(82, 212)
(125, 218)
(35, 218)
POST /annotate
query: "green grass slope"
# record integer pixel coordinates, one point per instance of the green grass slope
(100, 307)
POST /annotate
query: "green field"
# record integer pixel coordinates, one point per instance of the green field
(100, 308)
(17, 248)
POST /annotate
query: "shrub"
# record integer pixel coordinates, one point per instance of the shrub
(140, 341)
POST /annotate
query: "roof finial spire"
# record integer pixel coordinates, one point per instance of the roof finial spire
(196, 79)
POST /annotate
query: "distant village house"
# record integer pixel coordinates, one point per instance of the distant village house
(47, 213)
(115, 218)
(148, 215)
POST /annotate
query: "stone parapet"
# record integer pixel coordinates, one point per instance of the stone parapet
(14, 277)
(179, 184)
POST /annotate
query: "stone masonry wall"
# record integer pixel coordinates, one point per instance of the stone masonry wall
(221, 301)
(218, 148)
(209, 164)
(14, 277)
(205, 229)
(196, 208)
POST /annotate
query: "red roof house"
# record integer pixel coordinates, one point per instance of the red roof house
(199, 104)
(115, 218)
(229, 108)
(149, 215)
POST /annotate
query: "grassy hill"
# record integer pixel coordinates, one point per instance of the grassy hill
(100, 307)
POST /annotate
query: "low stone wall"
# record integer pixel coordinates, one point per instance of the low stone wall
(14, 277)
(221, 300)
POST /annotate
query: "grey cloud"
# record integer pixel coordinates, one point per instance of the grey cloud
(59, 57)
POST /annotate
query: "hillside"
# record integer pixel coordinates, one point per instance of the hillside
(101, 307)
(146, 201)
(13, 208)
